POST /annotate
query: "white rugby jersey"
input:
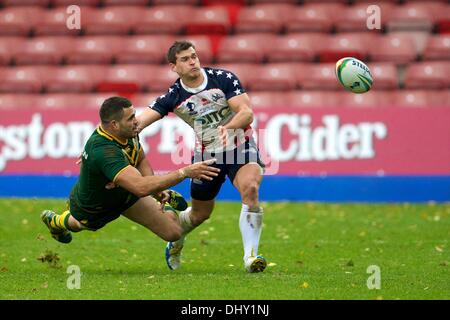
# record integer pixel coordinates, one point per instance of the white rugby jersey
(205, 108)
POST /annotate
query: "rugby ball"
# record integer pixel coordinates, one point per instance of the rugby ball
(354, 75)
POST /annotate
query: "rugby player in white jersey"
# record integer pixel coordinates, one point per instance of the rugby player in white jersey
(214, 103)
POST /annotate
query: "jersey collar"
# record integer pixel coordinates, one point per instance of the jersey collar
(109, 136)
(200, 87)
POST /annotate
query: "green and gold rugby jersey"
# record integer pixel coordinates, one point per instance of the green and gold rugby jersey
(104, 157)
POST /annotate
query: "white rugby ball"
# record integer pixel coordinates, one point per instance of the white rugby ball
(354, 75)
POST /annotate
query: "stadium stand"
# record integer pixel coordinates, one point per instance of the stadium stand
(428, 75)
(262, 18)
(318, 77)
(53, 22)
(19, 21)
(72, 78)
(9, 47)
(312, 17)
(296, 47)
(143, 49)
(94, 49)
(43, 50)
(386, 75)
(21, 79)
(437, 48)
(164, 20)
(275, 76)
(283, 53)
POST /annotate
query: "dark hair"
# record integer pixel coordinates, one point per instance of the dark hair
(112, 109)
(177, 47)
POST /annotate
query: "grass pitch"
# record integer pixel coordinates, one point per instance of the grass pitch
(315, 251)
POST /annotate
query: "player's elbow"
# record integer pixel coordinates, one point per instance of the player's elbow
(141, 189)
(249, 115)
(141, 193)
(149, 185)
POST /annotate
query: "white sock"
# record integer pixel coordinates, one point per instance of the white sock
(250, 224)
(186, 225)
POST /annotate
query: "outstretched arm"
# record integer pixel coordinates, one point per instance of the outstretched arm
(132, 180)
(147, 117)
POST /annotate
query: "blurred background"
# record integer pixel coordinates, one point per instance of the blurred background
(53, 80)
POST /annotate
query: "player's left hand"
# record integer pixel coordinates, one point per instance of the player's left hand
(163, 197)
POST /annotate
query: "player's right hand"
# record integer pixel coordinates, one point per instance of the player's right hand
(202, 170)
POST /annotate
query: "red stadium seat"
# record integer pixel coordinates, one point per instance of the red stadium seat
(411, 16)
(60, 101)
(112, 20)
(67, 3)
(175, 2)
(14, 101)
(312, 17)
(42, 3)
(245, 47)
(418, 38)
(94, 49)
(126, 78)
(75, 78)
(163, 19)
(9, 47)
(411, 98)
(275, 76)
(44, 50)
(371, 1)
(439, 98)
(442, 21)
(144, 49)
(202, 47)
(162, 78)
(355, 18)
(395, 48)
(271, 1)
(142, 100)
(267, 99)
(428, 75)
(318, 76)
(384, 75)
(208, 20)
(262, 18)
(22, 79)
(343, 45)
(296, 47)
(125, 2)
(371, 99)
(437, 48)
(314, 99)
(72, 100)
(54, 22)
(228, 2)
(19, 21)
(322, 1)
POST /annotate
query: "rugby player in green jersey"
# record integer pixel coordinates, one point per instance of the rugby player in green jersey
(116, 179)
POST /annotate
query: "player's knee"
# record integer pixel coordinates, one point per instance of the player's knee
(250, 190)
(75, 225)
(173, 234)
(198, 217)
